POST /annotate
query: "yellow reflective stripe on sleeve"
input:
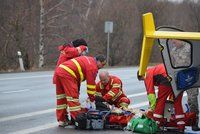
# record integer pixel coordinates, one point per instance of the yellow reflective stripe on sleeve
(75, 108)
(79, 69)
(60, 107)
(68, 70)
(60, 96)
(91, 92)
(123, 104)
(116, 85)
(101, 86)
(115, 97)
(91, 86)
(69, 98)
(111, 93)
(98, 94)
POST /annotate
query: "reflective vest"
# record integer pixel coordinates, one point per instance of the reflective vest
(81, 68)
(112, 91)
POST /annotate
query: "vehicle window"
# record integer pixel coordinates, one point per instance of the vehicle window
(180, 53)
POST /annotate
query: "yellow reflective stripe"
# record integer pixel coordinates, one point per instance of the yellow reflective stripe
(101, 86)
(79, 69)
(114, 98)
(111, 82)
(60, 107)
(60, 96)
(91, 86)
(69, 98)
(116, 85)
(75, 108)
(69, 70)
(91, 92)
(111, 93)
(123, 104)
(98, 94)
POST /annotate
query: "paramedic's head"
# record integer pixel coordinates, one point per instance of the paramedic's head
(101, 61)
(104, 77)
(140, 78)
(79, 42)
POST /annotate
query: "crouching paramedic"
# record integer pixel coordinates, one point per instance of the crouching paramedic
(157, 76)
(69, 76)
(109, 89)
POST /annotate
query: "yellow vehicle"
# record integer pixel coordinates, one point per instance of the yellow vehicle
(183, 75)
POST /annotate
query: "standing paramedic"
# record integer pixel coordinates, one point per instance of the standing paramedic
(157, 76)
(74, 49)
(69, 76)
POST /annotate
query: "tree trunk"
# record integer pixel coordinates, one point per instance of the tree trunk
(41, 39)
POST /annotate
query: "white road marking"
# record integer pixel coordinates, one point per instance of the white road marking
(36, 129)
(17, 78)
(53, 110)
(15, 91)
(26, 115)
(145, 93)
(145, 103)
(139, 104)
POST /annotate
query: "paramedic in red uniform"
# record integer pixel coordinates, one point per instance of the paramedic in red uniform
(109, 88)
(76, 48)
(157, 76)
(69, 76)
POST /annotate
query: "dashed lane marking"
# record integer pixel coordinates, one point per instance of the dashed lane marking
(36, 129)
(15, 91)
(26, 115)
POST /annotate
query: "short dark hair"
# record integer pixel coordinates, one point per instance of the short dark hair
(79, 42)
(101, 58)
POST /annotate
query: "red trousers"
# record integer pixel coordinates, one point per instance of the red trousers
(67, 95)
(163, 93)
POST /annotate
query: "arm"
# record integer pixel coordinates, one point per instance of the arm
(91, 85)
(150, 88)
(114, 92)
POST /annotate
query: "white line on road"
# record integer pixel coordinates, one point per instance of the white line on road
(51, 125)
(15, 91)
(36, 129)
(16, 78)
(26, 115)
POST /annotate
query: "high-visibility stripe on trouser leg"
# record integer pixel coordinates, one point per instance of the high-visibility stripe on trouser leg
(74, 108)
(70, 85)
(61, 102)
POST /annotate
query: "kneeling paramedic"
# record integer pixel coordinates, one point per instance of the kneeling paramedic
(69, 76)
(109, 89)
(157, 76)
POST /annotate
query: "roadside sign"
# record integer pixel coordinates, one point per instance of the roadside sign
(108, 27)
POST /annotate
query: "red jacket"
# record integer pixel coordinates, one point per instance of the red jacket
(81, 68)
(112, 92)
(66, 53)
(156, 76)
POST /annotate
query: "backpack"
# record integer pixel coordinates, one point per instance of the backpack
(142, 125)
(93, 119)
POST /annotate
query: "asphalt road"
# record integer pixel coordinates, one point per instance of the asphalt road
(27, 101)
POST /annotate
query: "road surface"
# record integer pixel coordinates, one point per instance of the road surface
(27, 102)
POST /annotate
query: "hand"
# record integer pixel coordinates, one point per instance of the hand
(149, 113)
